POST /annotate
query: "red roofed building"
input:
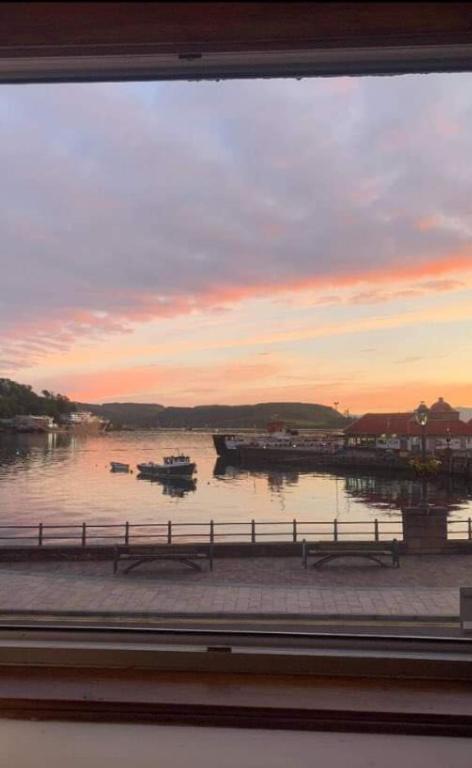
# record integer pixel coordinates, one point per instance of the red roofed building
(275, 426)
(401, 431)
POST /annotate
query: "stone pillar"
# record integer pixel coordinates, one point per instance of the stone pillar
(424, 530)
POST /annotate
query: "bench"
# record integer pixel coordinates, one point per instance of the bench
(137, 555)
(376, 551)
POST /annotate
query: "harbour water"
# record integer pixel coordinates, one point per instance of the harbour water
(57, 479)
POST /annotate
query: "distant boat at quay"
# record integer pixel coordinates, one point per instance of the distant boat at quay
(83, 423)
(282, 443)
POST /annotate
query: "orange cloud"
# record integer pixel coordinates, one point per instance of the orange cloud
(61, 330)
(168, 380)
(426, 223)
(112, 353)
(452, 313)
(458, 261)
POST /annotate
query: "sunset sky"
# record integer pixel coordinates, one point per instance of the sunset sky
(239, 242)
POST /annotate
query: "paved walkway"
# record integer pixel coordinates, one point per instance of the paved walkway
(423, 586)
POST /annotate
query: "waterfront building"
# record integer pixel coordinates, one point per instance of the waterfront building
(400, 432)
(30, 423)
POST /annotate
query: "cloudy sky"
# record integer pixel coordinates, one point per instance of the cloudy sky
(239, 242)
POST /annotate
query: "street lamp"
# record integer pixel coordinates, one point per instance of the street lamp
(422, 417)
(448, 440)
(448, 449)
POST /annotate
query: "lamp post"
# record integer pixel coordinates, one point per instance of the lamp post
(448, 440)
(448, 449)
(422, 417)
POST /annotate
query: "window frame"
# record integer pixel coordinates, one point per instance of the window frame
(25, 647)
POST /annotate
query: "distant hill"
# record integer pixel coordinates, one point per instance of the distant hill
(127, 414)
(301, 415)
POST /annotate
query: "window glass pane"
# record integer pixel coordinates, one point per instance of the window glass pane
(221, 307)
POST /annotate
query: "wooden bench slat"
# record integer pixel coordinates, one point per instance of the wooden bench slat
(139, 556)
(348, 552)
(163, 557)
(326, 551)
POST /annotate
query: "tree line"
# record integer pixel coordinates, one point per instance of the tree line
(18, 399)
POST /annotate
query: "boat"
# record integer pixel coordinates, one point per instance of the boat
(280, 445)
(84, 423)
(230, 445)
(172, 466)
(118, 466)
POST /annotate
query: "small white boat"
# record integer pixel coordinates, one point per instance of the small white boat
(118, 466)
(172, 466)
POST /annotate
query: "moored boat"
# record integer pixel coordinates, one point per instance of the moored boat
(84, 423)
(118, 466)
(281, 445)
(172, 466)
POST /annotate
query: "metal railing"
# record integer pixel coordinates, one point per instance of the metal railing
(460, 529)
(212, 531)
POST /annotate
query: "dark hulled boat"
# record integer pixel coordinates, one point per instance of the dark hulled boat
(172, 466)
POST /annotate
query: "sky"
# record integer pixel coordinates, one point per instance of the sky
(239, 242)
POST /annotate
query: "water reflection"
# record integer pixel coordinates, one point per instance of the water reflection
(60, 478)
(381, 492)
(19, 448)
(395, 493)
(277, 479)
(176, 487)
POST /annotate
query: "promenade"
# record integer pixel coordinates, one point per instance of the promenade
(424, 586)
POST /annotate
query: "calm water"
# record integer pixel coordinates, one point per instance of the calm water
(63, 479)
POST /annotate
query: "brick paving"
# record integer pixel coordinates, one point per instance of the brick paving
(423, 586)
